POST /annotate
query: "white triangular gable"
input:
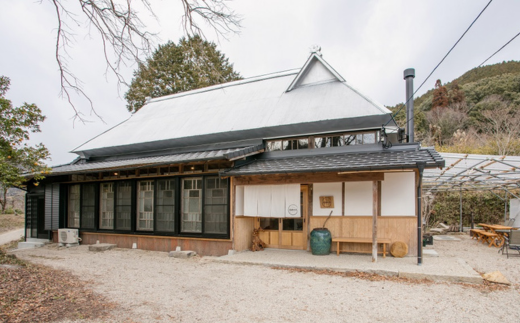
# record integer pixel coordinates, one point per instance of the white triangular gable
(315, 71)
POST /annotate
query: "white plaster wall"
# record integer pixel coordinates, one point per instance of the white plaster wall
(327, 189)
(239, 200)
(358, 198)
(398, 194)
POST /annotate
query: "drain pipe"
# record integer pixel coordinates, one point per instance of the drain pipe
(420, 167)
(409, 75)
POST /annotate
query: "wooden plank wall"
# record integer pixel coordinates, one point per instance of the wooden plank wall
(204, 247)
(243, 232)
(393, 227)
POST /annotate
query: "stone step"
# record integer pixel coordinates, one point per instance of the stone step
(101, 247)
(30, 245)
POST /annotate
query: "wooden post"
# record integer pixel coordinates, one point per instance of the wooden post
(376, 210)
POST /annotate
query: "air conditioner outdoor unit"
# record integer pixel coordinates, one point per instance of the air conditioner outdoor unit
(68, 236)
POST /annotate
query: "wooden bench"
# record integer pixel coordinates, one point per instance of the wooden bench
(484, 236)
(383, 241)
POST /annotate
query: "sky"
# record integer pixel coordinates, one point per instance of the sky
(370, 43)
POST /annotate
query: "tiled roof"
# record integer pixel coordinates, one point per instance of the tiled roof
(359, 161)
(155, 160)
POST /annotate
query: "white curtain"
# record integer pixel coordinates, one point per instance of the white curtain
(272, 201)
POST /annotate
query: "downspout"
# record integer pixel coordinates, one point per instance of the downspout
(420, 167)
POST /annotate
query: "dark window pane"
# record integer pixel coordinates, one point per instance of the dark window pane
(106, 206)
(73, 206)
(216, 206)
(124, 206)
(88, 200)
(269, 223)
(292, 224)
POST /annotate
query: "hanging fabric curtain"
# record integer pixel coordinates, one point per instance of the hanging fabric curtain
(272, 201)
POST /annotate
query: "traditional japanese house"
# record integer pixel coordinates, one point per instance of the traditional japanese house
(201, 169)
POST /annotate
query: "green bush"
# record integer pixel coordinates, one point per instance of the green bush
(9, 211)
(18, 211)
(485, 207)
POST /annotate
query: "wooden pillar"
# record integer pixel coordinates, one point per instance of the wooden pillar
(376, 211)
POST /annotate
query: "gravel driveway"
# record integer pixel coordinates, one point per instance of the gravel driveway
(152, 287)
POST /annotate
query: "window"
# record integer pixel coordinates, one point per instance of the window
(88, 206)
(106, 201)
(194, 206)
(124, 206)
(145, 205)
(324, 141)
(73, 207)
(165, 206)
(215, 205)
(191, 205)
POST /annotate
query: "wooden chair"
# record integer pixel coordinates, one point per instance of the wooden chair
(513, 242)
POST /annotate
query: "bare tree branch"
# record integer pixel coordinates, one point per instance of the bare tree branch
(124, 36)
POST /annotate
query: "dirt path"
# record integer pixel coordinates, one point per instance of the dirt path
(151, 287)
(9, 236)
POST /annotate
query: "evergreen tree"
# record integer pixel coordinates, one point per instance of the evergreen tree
(456, 95)
(16, 156)
(191, 64)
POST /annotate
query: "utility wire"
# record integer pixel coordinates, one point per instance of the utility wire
(499, 50)
(442, 60)
(483, 64)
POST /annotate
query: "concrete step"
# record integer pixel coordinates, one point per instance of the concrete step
(30, 245)
(45, 241)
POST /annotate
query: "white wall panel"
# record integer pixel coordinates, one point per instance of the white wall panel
(239, 200)
(398, 194)
(327, 189)
(359, 198)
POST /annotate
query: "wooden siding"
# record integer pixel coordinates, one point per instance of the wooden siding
(243, 234)
(393, 227)
(204, 247)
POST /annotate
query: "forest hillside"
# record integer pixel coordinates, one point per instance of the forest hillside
(476, 113)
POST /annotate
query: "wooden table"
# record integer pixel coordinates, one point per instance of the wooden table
(383, 241)
(500, 230)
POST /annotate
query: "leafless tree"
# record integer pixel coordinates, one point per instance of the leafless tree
(502, 124)
(444, 122)
(124, 36)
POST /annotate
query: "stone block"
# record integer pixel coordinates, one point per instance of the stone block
(182, 254)
(101, 247)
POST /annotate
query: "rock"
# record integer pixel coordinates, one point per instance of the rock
(101, 247)
(182, 254)
(438, 231)
(496, 277)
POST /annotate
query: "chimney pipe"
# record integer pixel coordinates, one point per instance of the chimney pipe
(409, 75)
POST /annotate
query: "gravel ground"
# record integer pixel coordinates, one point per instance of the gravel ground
(152, 287)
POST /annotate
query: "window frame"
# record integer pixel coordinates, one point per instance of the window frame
(177, 207)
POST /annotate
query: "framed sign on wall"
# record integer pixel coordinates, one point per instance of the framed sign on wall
(327, 202)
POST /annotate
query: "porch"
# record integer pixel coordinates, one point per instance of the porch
(448, 269)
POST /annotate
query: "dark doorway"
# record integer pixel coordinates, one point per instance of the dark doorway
(35, 210)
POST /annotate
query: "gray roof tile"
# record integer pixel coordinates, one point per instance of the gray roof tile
(359, 161)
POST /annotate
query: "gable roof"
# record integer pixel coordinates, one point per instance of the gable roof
(315, 70)
(309, 100)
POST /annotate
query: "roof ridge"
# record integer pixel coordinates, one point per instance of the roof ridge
(227, 84)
